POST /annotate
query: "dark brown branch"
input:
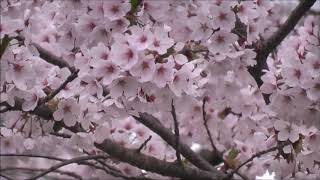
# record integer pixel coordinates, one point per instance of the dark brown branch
(205, 123)
(31, 155)
(154, 124)
(258, 155)
(70, 78)
(265, 47)
(4, 44)
(112, 171)
(67, 173)
(42, 111)
(18, 105)
(144, 144)
(63, 135)
(152, 164)
(5, 176)
(46, 55)
(314, 13)
(176, 132)
(67, 162)
(215, 156)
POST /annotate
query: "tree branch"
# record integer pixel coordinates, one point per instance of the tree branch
(258, 155)
(42, 111)
(67, 162)
(144, 144)
(205, 123)
(152, 164)
(47, 56)
(31, 155)
(5, 176)
(70, 78)
(154, 124)
(265, 47)
(18, 105)
(67, 173)
(176, 132)
(112, 171)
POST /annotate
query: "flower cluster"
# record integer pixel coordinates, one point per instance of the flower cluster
(132, 58)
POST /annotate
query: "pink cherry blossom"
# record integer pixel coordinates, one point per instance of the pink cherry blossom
(82, 78)
(223, 17)
(68, 110)
(163, 74)
(286, 131)
(141, 39)
(144, 69)
(124, 55)
(221, 41)
(114, 9)
(160, 41)
(124, 86)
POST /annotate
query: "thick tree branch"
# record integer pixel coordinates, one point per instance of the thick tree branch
(153, 124)
(265, 47)
(152, 164)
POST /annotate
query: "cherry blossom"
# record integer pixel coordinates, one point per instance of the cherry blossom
(124, 55)
(114, 9)
(163, 74)
(286, 131)
(131, 86)
(223, 16)
(144, 69)
(221, 42)
(141, 39)
(161, 42)
(68, 110)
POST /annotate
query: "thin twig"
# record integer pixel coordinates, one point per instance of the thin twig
(216, 153)
(67, 162)
(104, 164)
(205, 123)
(5, 176)
(63, 135)
(70, 78)
(113, 172)
(176, 132)
(144, 144)
(258, 155)
(32, 155)
(67, 173)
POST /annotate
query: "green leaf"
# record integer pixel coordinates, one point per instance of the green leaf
(134, 4)
(233, 154)
(4, 44)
